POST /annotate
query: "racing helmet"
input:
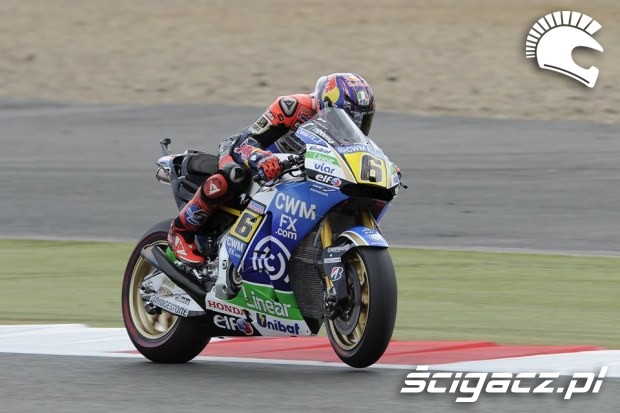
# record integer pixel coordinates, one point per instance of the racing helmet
(350, 92)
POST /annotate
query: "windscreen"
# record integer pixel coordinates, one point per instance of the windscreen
(338, 126)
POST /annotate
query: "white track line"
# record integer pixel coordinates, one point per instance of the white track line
(80, 340)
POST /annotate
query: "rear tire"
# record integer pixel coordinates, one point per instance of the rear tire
(161, 338)
(361, 335)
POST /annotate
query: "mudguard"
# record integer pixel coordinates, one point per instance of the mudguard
(364, 237)
(359, 236)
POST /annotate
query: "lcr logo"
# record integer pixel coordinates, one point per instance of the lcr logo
(552, 40)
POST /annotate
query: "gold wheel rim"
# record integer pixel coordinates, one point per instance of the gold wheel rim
(151, 326)
(348, 341)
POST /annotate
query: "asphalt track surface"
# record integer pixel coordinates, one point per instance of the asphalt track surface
(88, 171)
(91, 384)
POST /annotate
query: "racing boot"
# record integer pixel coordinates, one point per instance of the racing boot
(181, 243)
(193, 216)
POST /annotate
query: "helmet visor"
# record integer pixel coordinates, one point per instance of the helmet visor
(362, 119)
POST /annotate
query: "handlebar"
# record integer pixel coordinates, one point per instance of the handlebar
(288, 165)
(291, 163)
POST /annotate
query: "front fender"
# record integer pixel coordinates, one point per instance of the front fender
(364, 237)
(333, 267)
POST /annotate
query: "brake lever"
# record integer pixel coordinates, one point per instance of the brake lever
(291, 164)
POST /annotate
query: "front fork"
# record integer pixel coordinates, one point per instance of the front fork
(335, 280)
(326, 228)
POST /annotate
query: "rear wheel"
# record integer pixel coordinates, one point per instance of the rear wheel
(162, 337)
(363, 329)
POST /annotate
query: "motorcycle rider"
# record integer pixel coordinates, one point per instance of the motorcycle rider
(252, 150)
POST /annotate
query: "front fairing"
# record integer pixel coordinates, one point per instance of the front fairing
(338, 153)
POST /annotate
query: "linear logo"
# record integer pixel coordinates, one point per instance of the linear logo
(552, 40)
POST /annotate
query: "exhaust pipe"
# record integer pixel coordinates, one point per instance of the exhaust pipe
(156, 257)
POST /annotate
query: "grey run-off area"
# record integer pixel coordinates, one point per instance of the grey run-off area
(89, 384)
(87, 171)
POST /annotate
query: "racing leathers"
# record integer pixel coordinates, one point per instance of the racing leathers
(248, 151)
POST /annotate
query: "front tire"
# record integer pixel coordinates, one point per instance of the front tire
(164, 337)
(361, 333)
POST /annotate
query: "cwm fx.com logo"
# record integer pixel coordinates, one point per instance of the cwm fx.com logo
(469, 386)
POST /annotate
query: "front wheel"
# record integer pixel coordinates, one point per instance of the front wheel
(163, 337)
(362, 331)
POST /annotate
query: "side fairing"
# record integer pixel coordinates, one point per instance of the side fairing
(291, 210)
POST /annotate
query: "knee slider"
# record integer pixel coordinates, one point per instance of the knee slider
(215, 188)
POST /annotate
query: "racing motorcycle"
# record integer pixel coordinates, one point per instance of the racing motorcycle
(282, 259)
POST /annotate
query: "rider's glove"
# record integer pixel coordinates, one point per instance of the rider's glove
(267, 166)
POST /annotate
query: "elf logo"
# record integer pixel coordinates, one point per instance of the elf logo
(330, 180)
(233, 324)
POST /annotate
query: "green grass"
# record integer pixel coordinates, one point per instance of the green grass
(61, 282)
(508, 298)
(443, 295)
